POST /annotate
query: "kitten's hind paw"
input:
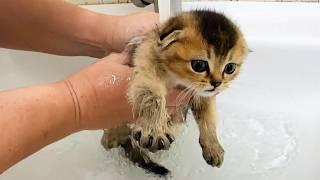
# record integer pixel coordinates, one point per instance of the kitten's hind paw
(141, 158)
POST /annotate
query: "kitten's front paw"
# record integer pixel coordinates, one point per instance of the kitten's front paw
(153, 136)
(213, 153)
(115, 137)
(108, 141)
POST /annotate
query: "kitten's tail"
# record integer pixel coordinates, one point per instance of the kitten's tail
(140, 157)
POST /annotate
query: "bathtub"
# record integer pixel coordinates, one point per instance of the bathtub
(269, 117)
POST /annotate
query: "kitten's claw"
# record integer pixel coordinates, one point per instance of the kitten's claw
(213, 154)
(152, 139)
(137, 135)
(150, 142)
(160, 143)
(170, 138)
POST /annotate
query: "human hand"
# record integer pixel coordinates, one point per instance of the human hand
(100, 94)
(131, 26)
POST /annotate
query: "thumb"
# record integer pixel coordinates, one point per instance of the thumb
(117, 58)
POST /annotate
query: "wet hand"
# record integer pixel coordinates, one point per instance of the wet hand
(131, 26)
(100, 94)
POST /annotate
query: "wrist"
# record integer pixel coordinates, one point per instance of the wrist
(69, 106)
(83, 101)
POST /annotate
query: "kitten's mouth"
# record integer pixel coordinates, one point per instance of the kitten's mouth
(210, 90)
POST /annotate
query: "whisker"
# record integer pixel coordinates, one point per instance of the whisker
(182, 95)
(196, 98)
(188, 93)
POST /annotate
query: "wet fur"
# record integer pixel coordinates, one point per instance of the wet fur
(162, 61)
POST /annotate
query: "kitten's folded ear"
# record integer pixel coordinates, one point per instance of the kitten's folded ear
(170, 32)
(169, 39)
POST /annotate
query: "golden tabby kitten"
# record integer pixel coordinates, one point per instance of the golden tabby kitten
(200, 52)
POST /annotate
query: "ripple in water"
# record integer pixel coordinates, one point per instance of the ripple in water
(257, 143)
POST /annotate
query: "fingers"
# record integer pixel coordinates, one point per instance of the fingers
(150, 21)
(117, 58)
(131, 26)
(175, 99)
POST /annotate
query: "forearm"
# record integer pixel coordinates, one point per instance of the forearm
(55, 27)
(32, 118)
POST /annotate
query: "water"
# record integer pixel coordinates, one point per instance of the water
(268, 126)
(257, 147)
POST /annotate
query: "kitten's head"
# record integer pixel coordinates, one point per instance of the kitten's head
(202, 50)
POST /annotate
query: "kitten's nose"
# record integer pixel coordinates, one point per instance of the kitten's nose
(215, 83)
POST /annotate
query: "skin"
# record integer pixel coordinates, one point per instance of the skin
(56, 27)
(34, 117)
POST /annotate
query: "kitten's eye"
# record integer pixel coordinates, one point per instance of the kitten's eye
(199, 65)
(230, 68)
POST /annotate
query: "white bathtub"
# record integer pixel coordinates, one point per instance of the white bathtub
(269, 117)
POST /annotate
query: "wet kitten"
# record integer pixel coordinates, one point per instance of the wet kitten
(200, 52)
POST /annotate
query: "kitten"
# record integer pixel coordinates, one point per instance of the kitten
(198, 51)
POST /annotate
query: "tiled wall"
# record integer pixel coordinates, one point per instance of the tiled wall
(126, 1)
